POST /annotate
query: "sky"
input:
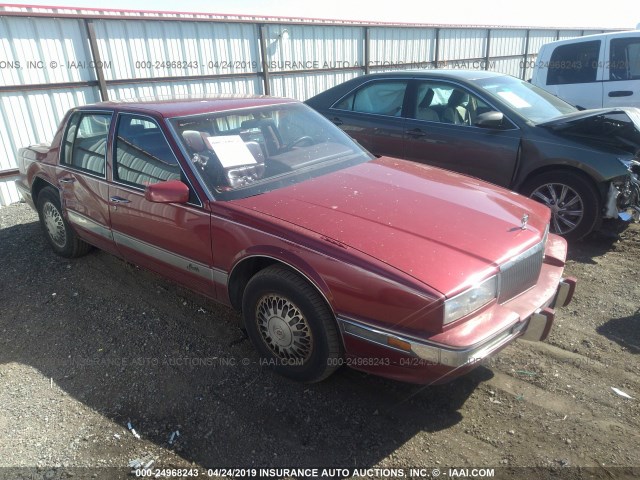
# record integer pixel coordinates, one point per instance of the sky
(538, 13)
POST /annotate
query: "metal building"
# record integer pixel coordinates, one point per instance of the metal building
(52, 59)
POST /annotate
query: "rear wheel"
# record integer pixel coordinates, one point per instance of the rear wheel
(572, 198)
(290, 325)
(57, 231)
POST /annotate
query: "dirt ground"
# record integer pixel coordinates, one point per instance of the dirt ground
(88, 345)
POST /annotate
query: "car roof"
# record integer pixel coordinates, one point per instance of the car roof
(446, 73)
(178, 106)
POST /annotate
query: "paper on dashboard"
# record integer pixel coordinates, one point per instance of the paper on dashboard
(231, 151)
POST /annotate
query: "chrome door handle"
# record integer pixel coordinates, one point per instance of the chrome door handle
(119, 200)
(67, 180)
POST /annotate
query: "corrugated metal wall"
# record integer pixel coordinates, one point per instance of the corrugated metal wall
(389, 46)
(247, 86)
(49, 61)
(137, 50)
(42, 48)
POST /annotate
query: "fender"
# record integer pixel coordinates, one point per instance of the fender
(286, 258)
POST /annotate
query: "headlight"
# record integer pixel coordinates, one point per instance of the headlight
(474, 298)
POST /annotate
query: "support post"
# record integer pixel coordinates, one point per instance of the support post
(266, 87)
(97, 61)
(367, 51)
(437, 56)
(487, 53)
(525, 57)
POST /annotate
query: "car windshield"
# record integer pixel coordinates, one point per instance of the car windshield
(251, 151)
(531, 102)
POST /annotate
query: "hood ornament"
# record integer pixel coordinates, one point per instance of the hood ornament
(523, 222)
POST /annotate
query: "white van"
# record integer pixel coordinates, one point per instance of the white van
(593, 71)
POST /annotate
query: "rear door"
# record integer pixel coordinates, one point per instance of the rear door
(575, 73)
(441, 131)
(169, 238)
(622, 88)
(82, 176)
(372, 115)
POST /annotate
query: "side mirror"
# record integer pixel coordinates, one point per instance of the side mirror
(171, 191)
(490, 119)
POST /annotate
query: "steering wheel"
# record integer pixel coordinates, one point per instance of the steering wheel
(297, 141)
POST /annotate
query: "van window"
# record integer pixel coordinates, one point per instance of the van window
(625, 59)
(574, 63)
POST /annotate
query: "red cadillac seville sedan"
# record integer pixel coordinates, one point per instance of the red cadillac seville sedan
(332, 256)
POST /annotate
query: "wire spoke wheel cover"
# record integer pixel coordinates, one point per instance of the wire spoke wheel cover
(59, 235)
(290, 325)
(55, 225)
(283, 328)
(566, 205)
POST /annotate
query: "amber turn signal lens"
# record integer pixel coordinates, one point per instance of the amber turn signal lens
(397, 343)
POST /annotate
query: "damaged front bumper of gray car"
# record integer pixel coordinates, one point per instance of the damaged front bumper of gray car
(623, 197)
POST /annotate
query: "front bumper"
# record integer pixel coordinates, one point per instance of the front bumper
(446, 356)
(623, 198)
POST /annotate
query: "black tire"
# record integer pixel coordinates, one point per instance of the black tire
(56, 229)
(316, 352)
(580, 195)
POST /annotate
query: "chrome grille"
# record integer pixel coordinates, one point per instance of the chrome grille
(521, 273)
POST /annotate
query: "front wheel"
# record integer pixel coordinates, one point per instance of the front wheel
(290, 325)
(573, 200)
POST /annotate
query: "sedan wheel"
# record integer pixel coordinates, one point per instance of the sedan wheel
(283, 328)
(58, 233)
(566, 206)
(572, 198)
(54, 224)
(291, 325)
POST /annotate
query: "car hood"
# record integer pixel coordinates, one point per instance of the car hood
(444, 229)
(618, 127)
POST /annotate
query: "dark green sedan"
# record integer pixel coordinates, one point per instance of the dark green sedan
(582, 164)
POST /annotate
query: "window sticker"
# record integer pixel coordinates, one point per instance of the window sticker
(514, 99)
(231, 151)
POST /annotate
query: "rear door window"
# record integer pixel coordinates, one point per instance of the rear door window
(380, 98)
(85, 142)
(574, 63)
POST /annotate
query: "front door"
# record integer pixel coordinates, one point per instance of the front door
(441, 131)
(171, 239)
